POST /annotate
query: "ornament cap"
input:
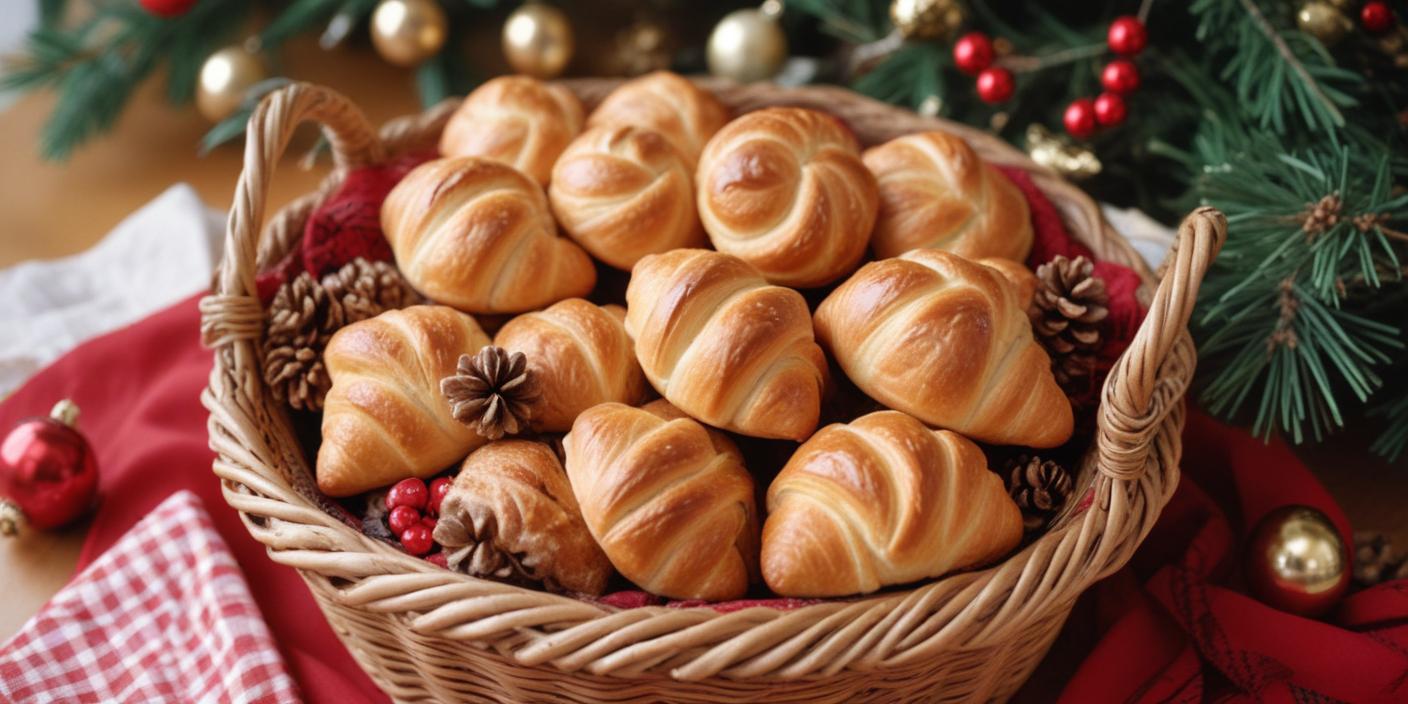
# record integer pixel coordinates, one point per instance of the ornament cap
(12, 520)
(66, 412)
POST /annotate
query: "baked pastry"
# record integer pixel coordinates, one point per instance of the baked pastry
(667, 499)
(945, 340)
(725, 346)
(384, 419)
(667, 103)
(625, 192)
(784, 189)
(880, 501)
(517, 120)
(510, 514)
(1023, 281)
(477, 235)
(936, 192)
(579, 355)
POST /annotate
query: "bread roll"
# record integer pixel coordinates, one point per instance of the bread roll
(625, 192)
(667, 103)
(881, 501)
(517, 120)
(580, 356)
(725, 346)
(477, 235)
(936, 192)
(784, 189)
(1024, 282)
(384, 419)
(945, 340)
(667, 499)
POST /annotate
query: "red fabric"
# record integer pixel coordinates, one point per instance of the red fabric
(348, 224)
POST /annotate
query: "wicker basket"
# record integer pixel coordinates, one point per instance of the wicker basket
(424, 633)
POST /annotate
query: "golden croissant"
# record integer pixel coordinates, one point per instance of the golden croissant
(945, 340)
(517, 120)
(881, 501)
(668, 500)
(1024, 282)
(936, 192)
(384, 419)
(666, 103)
(784, 189)
(477, 235)
(725, 346)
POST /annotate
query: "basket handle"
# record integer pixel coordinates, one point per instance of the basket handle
(233, 312)
(1126, 408)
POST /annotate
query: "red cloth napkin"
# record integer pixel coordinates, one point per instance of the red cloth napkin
(162, 616)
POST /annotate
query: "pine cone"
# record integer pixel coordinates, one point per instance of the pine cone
(1066, 314)
(1375, 560)
(492, 391)
(300, 320)
(469, 548)
(1039, 487)
(368, 288)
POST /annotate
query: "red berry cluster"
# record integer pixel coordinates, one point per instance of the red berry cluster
(412, 511)
(973, 54)
(1084, 116)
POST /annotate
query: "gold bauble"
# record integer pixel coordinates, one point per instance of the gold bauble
(538, 40)
(1321, 20)
(407, 32)
(746, 46)
(1297, 561)
(1071, 160)
(642, 47)
(927, 19)
(224, 79)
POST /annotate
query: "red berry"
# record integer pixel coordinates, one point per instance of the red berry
(995, 85)
(408, 492)
(417, 540)
(438, 489)
(1120, 76)
(438, 559)
(972, 53)
(1376, 17)
(168, 8)
(1109, 109)
(401, 518)
(430, 523)
(1127, 35)
(1080, 118)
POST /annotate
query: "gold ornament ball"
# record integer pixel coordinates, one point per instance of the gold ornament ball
(1071, 160)
(538, 40)
(747, 46)
(927, 19)
(642, 47)
(1297, 561)
(407, 32)
(224, 79)
(1323, 21)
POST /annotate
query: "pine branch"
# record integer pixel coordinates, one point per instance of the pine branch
(1393, 443)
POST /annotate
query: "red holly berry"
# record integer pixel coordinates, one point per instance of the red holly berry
(408, 492)
(417, 540)
(48, 473)
(438, 489)
(438, 559)
(1376, 17)
(1080, 118)
(429, 522)
(168, 8)
(1120, 76)
(1110, 110)
(401, 518)
(995, 85)
(1127, 35)
(972, 53)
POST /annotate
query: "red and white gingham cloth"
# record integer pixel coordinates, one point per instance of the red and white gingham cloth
(162, 616)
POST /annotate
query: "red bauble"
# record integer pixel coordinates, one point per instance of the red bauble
(417, 540)
(1127, 35)
(48, 474)
(995, 85)
(408, 492)
(1110, 110)
(401, 518)
(1080, 118)
(1120, 76)
(1376, 17)
(438, 489)
(972, 53)
(168, 8)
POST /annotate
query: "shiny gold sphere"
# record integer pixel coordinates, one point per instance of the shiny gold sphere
(538, 40)
(224, 79)
(1297, 561)
(642, 47)
(1323, 21)
(407, 32)
(746, 46)
(927, 19)
(1071, 160)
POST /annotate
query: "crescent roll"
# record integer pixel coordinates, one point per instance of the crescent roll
(580, 355)
(625, 192)
(517, 120)
(881, 501)
(1022, 279)
(784, 189)
(667, 499)
(667, 103)
(936, 192)
(725, 346)
(384, 419)
(945, 340)
(477, 235)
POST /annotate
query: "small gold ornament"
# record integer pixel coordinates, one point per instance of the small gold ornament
(538, 40)
(1297, 561)
(1321, 20)
(747, 45)
(927, 19)
(407, 32)
(1071, 160)
(224, 79)
(642, 47)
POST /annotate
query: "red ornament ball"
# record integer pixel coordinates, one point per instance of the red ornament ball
(168, 8)
(995, 85)
(438, 489)
(1120, 76)
(48, 474)
(1127, 36)
(972, 53)
(401, 518)
(417, 540)
(1110, 109)
(1377, 17)
(1080, 118)
(408, 492)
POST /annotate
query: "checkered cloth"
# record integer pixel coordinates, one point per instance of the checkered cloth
(162, 616)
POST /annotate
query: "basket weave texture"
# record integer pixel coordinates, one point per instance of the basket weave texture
(426, 634)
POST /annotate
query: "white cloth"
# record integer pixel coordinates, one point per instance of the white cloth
(1150, 238)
